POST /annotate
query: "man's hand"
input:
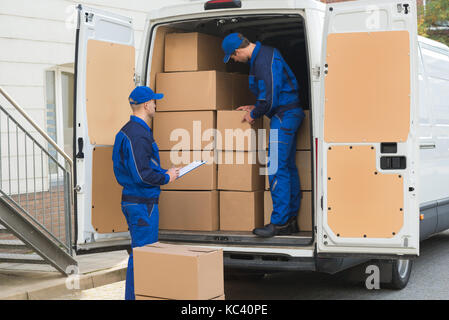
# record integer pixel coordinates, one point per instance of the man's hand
(173, 173)
(246, 108)
(247, 118)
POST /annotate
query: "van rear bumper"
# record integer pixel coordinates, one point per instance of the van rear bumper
(267, 262)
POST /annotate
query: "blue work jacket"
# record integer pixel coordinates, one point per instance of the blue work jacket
(272, 81)
(136, 161)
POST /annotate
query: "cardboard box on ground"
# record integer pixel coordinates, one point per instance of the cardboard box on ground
(165, 271)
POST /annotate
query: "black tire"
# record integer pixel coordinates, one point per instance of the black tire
(401, 271)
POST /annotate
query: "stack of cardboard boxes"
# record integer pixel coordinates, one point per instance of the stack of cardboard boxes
(196, 87)
(173, 272)
(304, 164)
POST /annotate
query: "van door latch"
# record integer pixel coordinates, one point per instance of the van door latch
(80, 154)
(316, 71)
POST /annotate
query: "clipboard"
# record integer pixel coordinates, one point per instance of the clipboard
(190, 167)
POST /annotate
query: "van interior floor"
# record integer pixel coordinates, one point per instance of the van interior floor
(302, 238)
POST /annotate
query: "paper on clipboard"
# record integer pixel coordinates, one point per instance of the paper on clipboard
(190, 167)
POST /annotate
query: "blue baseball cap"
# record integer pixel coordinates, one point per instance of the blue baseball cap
(143, 94)
(230, 44)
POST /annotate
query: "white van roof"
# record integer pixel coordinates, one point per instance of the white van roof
(197, 6)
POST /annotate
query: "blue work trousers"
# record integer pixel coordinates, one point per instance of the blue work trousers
(284, 182)
(143, 223)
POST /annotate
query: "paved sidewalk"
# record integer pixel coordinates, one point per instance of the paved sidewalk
(42, 282)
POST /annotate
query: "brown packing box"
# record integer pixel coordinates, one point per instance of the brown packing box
(239, 171)
(188, 210)
(242, 96)
(202, 178)
(302, 136)
(303, 163)
(195, 91)
(241, 211)
(193, 51)
(305, 211)
(139, 297)
(178, 272)
(235, 134)
(191, 127)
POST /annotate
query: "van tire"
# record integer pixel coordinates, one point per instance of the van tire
(401, 271)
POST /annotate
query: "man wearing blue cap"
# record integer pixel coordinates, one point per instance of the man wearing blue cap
(137, 169)
(273, 83)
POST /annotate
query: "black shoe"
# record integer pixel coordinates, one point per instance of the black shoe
(293, 221)
(271, 230)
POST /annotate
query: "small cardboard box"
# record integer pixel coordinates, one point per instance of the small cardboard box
(178, 272)
(187, 130)
(195, 91)
(241, 211)
(302, 136)
(305, 211)
(193, 51)
(239, 171)
(233, 134)
(304, 165)
(189, 210)
(202, 178)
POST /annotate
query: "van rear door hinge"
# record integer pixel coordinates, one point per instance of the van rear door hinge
(316, 71)
(137, 79)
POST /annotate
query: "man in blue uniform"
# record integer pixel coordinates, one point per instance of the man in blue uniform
(276, 89)
(137, 169)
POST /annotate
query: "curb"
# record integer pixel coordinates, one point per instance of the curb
(88, 281)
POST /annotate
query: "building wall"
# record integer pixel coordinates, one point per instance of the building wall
(39, 34)
(36, 35)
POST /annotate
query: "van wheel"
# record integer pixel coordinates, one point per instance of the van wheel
(401, 270)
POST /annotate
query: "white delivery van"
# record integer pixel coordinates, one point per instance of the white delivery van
(378, 98)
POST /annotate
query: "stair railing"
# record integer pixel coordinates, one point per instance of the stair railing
(35, 174)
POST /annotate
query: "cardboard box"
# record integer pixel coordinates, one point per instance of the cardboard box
(189, 210)
(190, 130)
(139, 297)
(239, 171)
(241, 211)
(178, 272)
(302, 136)
(195, 91)
(193, 51)
(305, 211)
(233, 134)
(304, 165)
(242, 96)
(202, 178)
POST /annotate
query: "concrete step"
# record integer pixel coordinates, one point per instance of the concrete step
(21, 258)
(12, 244)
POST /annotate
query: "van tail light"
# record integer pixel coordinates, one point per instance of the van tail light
(222, 4)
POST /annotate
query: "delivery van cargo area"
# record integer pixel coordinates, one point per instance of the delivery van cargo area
(180, 61)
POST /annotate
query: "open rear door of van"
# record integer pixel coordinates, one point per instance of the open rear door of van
(368, 151)
(105, 63)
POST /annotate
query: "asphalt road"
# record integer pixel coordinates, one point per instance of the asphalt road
(429, 280)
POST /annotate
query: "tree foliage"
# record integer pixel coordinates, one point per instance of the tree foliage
(433, 20)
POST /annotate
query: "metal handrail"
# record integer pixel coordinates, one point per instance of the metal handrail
(31, 121)
(49, 211)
